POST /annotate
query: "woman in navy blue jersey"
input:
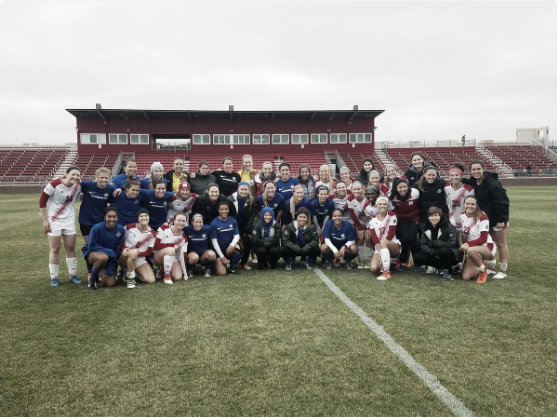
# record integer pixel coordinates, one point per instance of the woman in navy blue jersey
(198, 246)
(339, 242)
(321, 209)
(225, 236)
(157, 202)
(130, 168)
(95, 198)
(270, 198)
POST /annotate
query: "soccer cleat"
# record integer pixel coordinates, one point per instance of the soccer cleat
(130, 283)
(457, 269)
(246, 266)
(231, 268)
(160, 272)
(337, 261)
(401, 268)
(328, 264)
(54, 282)
(288, 263)
(417, 268)
(92, 284)
(348, 265)
(445, 276)
(384, 276)
(309, 263)
(189, 274)
(361, 265)
(121, 275)
(168, 280)
(431, 270)
(482, 277)
(75, 280)
(500, 275)
(208, 273)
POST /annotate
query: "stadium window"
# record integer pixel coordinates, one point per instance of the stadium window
(360, 137)
(201, 139)
(93, 138)
(338, 138)
(240, 139)
(222, 139)
(139, 139)
(298, 139)
(280, 139)
(261, 139)
(318, 138)
(118, 139)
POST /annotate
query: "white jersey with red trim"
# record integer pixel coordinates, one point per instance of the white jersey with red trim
(456, 201)
(180, 206)
(166, 238)
(357, 210)
(473, 231)
(136, 239)
(384, 229)
(342, 204)
(58, 200)
(319, 183)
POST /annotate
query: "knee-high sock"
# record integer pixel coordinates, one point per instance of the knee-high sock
(72, 266)
(361, 253)
(385, 259)
(53, 269)
(168, 260)
(182, 257)
(236, 257)
(210, 265)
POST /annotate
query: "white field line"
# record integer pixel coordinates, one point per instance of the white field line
(458, 408)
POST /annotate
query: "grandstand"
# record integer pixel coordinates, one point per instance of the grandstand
(29, 164)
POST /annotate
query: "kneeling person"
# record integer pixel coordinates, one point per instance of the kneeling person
(300, 239)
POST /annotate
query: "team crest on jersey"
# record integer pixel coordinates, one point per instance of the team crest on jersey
(291, 186)
(136, 202)
(118, 234)
(411, 203)
(105, 195)
(204, 236)
(439, 191)
(342, 236)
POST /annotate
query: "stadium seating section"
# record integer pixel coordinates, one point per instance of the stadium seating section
(30, 164)
(518, 156)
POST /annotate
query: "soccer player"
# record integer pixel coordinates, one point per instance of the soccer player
(182, 202)
(103, 248)
(156, 202)
(130, 168)
(171, 247)
(307, 181)
(339, 239)
(157, 173)
(456, 192)
(57, 211)
(383, 234)
(198, 246)
(270, 198)
(249, 174)
(299, 238)
(226, 178)
(176, 176)
(285, 184)
(95, 198)
(357, 204)
(243, 209)
(321, 209)
(267, 174)
(225, 237)
(127, 202)
(325, 178)
(293, 204)
(266, 238)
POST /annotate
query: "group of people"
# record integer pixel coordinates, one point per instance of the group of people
(167, 224)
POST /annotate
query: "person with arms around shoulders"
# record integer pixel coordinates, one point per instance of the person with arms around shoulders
(244, 210)
(176, 176)
(130, 169)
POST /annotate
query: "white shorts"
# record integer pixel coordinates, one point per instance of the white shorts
(64, 227)
(140, 261)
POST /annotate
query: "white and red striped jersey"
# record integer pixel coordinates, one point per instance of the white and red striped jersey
(58, 200)
(357, 210)
(319, 183)
(167, 239)
(370, 212)
(384, 229)
(180, 206)
(456, 202)
(136, 239)
(408, 210)
(342, 204)
(385, 189)
(475, 234)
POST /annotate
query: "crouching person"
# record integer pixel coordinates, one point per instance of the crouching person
(300, 239)
(439, 246)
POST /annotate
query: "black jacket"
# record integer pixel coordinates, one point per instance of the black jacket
(245, 223)
(228, 182)
(492, 198)
(290, 238)
(442, 235)
(433, 195)
(201, 182)
(412, 174)
(204, 206)
(257, 235)
(169, 177)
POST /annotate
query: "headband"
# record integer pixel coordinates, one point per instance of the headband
(372, 188)
(455, 169)
(243, 183)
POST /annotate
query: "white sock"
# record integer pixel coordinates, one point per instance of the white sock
(491, 265)
(369, 254)
(183, 254)
(385, 259)
(168, 261)
(361, 253)
(503, 267)
(130, 275)
(72, 266)
(481, 268)
(53, 270)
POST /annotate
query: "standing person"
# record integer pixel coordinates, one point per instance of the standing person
(299, 238)
(456, 192)
(156, 174)
(201, 180)
(285, 184)
(325, 178)
(208, 203)
(58, 213)
(340, 198)
(157, 203)
(182, 202)
(383, 234)
(266, 238)
(374, 178)
(414, 171)
(321, 209)
(198, 246)
(171, 248)
(225, 237)
(439, 246)
(270, 198)
(406, 201)
(357, 204)
(493, 200)
(226, 178)
(248, 174)
(345, 176)
(127, 202)
(103, 248)
(478, 244)
(95, 198)
(244, 210)
(293, 204)
(432, 193)
(176, 176)
(138, 244)
(266, 174)
(391, 174)
(307, 181)
(130, 169)
(363, 175)
(339, 239)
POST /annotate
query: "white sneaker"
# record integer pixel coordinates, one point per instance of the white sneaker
(489, 271)
(190, 274)
(431, 270)
(361, 265)
(254, 260)
(499, 275)
(130, 283)
(208, 273)
(168, 280)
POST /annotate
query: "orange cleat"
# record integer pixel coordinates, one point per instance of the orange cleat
(482, 277)
(384, 276)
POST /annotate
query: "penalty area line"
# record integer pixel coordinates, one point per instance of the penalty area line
(431, 381)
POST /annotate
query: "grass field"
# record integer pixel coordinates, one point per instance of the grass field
(279, 343)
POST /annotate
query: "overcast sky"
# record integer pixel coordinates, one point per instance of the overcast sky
(439, 69)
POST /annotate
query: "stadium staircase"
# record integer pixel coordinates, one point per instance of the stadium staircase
(68, 162)
(502, 168)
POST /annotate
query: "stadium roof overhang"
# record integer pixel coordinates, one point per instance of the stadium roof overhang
(190, 115)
